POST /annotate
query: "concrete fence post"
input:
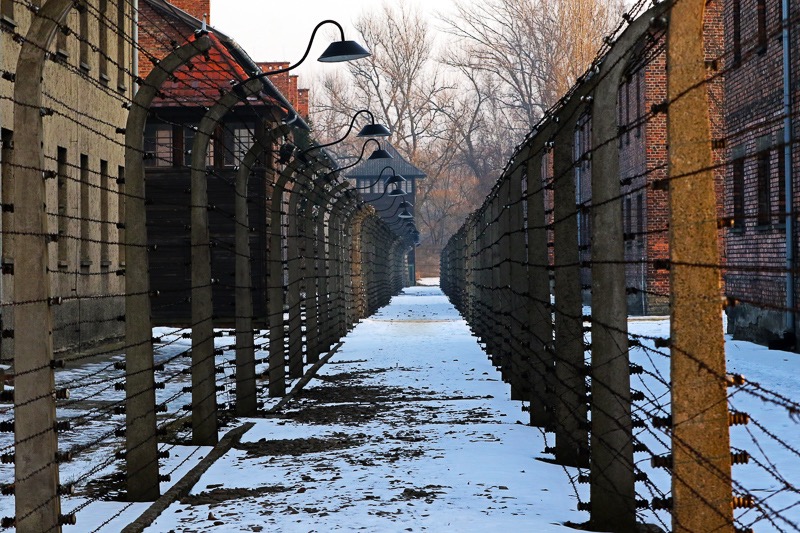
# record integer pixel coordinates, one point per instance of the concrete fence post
(572, 432)
(204, 390)
(276, 282)
(538, 313)
(141, 456)
(302, 189)
(612, 476)
(36, 478)
(246, 393)
(701, 470)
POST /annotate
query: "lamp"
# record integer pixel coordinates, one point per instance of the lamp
(370, 130)
(396, 178)
(405, 214)
(397, 191)
(336, 52)
(378, 153)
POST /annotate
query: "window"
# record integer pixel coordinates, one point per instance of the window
(121, 212)
(103, 22)
(104, 211)
(781, 176)
(761, 16)
(164, 147)
(84, 213)
(61, 41)
(737, 33)
(242, 142)
(63, 207)
(620, 113)
(7, 12)
(628, 221)
(628, 111)
(6, 149)
(738, 193)
(121, 32)
(188, 143)
(238, 141)
(640, 215)
(158, 145)
(763, 184)
(83, 37)
(639, 80)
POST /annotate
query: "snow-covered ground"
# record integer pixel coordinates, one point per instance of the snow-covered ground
(409, 428)
(435, 445)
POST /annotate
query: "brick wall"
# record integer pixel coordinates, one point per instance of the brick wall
(288, 85)
(196, 8)
(157, 35)
(756, 249)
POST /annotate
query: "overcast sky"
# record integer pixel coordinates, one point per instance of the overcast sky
(275, 30)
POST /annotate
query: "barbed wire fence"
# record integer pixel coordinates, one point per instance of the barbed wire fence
(79, 249)
(623, 197)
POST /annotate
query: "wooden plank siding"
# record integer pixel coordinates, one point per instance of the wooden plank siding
(168, 231)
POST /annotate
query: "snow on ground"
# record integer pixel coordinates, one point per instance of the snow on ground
(408, 428)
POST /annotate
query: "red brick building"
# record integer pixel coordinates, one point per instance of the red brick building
(643, 150)
(755, 172)
(169, 136)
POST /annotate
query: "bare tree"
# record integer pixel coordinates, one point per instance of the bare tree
(408, 90)
(520, 56)
(458, 115)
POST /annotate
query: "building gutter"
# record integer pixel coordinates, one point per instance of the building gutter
(791, 326)
(244, 59)
(135, 50)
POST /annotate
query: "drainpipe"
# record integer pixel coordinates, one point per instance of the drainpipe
(135, 49)
(788, 181)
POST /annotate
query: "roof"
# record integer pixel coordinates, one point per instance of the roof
(372, 168)
(225, 51)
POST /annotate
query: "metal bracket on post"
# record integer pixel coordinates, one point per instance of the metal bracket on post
(141, 456)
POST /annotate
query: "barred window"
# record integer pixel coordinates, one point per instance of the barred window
(763, 183)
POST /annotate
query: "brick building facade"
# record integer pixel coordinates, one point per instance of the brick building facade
(85, 82)
(169, 137)
(755, 173)
(643, 151)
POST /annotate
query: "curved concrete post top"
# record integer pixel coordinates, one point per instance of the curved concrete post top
(223, 106)
(260, 145)
(149, 87)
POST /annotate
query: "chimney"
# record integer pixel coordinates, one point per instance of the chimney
(196, 8)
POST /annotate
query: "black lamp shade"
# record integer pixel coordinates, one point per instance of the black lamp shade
(374, 130)
(406, 204)
(397, 192)
(380, 153)
(339, 51)
(405, 214)
(397, 178)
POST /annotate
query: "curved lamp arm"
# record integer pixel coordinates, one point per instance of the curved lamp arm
(380, 175)
(385, 192)
(360, 157)
(305, 55)
(349, 129)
